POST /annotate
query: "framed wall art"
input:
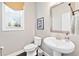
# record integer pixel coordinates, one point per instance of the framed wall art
(40, 23)
(12, 16)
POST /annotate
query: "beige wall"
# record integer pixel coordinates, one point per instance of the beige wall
(15, 40)
(43, 10)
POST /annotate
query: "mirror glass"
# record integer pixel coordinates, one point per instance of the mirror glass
(61, 18)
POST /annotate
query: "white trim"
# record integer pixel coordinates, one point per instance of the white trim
(21, 51)
(16, 53)
(46, 54)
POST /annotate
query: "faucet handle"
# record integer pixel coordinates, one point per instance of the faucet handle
(67, 33)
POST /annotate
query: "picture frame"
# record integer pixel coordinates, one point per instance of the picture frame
(40, 23)
(11, 19)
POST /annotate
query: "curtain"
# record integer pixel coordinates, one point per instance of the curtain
(75, 24)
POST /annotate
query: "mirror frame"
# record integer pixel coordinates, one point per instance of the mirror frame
(51, 30)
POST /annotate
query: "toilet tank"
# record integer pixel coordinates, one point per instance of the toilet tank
(37, 40)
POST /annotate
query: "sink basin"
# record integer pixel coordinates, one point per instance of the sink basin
(59, 46)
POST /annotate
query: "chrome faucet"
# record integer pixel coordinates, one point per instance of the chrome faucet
(67, 36)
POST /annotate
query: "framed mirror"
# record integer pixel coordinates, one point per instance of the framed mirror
(60, 18)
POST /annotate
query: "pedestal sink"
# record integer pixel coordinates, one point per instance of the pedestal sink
(59, 46)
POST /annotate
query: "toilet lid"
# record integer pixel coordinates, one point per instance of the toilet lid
(30, 47)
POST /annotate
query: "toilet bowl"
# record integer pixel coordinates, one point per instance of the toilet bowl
(33, 47)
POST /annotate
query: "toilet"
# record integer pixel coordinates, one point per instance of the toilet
(31, 49)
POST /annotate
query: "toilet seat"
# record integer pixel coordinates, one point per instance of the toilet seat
(30, 47)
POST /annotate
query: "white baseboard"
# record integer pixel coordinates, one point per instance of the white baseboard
(21, 51)
(16, 53)
(46, 54)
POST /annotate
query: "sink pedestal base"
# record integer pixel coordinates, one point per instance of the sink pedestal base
(55, 53)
